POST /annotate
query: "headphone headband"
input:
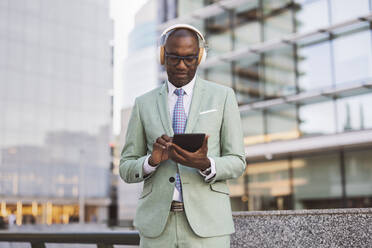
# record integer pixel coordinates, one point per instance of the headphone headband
(186, 26)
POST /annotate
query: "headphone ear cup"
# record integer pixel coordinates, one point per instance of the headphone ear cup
(202, 55)
(161, 55)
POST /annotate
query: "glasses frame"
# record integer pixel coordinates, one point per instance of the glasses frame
(167, 55)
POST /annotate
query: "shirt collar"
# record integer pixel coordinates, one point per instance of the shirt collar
(187, 88)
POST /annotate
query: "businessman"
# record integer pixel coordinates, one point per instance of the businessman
(185, 200)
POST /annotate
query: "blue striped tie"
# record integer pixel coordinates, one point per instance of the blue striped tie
(179, 124)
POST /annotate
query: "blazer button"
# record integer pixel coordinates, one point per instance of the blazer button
(171, 179)
(137, 175)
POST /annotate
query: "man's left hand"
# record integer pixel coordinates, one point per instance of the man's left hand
(198, 159)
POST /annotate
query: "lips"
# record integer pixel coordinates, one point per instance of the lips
(180, 74)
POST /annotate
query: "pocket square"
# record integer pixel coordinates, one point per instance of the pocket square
(207, 111)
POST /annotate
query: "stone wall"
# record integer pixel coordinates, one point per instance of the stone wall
(303, 228)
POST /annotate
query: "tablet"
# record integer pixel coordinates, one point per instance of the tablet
(189, 141)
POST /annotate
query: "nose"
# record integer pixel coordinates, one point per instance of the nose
(181, 65)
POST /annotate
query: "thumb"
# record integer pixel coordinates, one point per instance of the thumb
(205, 142)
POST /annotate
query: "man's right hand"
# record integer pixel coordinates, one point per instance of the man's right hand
(159, 150)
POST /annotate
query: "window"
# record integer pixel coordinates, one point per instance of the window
(248, 87)
(317, 118)
(353, 57)
(343, 10)
(311, 15)
(314, 65)
(354, 113)
(269, 185)
(279, 72)
(317, 182)
(281, 123)
(358, 170)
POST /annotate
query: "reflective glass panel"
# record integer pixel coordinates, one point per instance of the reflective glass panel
(317, 119)
(219, 34)
(185, 7)
(343, 10)
(221, 74)
(247, 29)
(311, 15)
(247, 79)
(317, 182)
(314, 65)
(279, 72)
(269, 185)
(42, 128)
(353, 57)
(358, 170)
(278, 20)
(354, 113)
(281, 124)
(253, 127)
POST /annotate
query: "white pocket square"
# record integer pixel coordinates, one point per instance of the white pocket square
(207, 111)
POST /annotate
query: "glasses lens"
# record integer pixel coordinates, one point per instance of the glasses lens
(189, 60)
(173, 60)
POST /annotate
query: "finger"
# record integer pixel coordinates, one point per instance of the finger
(161, 141)
(181, 160)
(166, 138)
(175, 156)
(181, 151)
(205, 142)
(159, 146)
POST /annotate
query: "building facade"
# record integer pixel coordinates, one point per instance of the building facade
(55, 110)
(302, 74)
(140, 76)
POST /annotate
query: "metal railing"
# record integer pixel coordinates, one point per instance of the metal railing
(101, 239)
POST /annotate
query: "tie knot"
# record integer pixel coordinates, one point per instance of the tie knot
(179, 92)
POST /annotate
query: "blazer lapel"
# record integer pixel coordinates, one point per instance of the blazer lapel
(197, 97)
(163, 108)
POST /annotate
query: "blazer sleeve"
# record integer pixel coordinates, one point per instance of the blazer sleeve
(231, 164)
(134, 152)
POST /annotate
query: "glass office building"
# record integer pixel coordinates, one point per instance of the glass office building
(55, 109)
(302, 74)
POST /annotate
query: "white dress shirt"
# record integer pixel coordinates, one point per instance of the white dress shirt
(172, 99)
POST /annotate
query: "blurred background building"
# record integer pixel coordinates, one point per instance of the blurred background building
(301, 71)
(302, 74)
(140, 76)
(56, 110)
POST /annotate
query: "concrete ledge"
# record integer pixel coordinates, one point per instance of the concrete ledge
(303, 228)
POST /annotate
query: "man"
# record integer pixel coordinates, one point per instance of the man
(185, 199)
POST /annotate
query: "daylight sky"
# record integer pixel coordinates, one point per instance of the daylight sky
(122, 12)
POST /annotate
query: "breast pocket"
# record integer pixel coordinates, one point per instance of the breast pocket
(208, 122)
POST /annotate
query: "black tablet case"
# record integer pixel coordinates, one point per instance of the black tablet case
(189, 141)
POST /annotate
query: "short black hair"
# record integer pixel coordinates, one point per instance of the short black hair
(182, 32)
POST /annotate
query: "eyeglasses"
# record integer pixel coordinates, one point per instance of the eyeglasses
(174, 60)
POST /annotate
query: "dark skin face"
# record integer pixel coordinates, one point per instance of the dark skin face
(181, 74)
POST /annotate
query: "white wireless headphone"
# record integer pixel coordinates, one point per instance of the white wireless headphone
(202, 44)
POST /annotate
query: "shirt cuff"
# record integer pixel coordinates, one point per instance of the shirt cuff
(210, 172)
(147, 168)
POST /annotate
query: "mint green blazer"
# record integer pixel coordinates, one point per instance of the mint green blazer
(213, 111)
